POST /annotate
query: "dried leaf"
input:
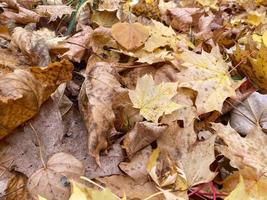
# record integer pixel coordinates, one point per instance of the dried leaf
(54, 11)
(153, 100)
(16, 188)
(130, 36)
(50, 182)
(35, 44)
(207, 73)
(97, 109)
(143, 134)
(136, 168)
(250, 114)
(120, 184)
(23, 92)
(243, 152)
(160, 36)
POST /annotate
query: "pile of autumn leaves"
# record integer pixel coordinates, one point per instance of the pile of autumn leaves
(166, 107)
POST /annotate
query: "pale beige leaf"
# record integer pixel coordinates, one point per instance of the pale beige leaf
(49, 182)
(54, 11)
(143, 134)
(250, 114)
(244, 152)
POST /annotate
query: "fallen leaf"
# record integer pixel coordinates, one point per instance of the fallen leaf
(243, 152)
(153, 100)
(23, 92)
(250, 114)
(79, 191)
(97, 109)
(207, 73)
(54, 11)
(77, 44)
(136, 168)
(16, 188)
(160, 36)
(256, 72)
(143, 134)
(121, 184)
(193, 158)
(35, 44)
(256, 191)
(50, 181)
(130, 36)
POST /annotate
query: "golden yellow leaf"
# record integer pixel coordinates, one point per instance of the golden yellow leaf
(160, 36)
(207, 73)
(256, 18)
(153, 100)
(208, 3)
(256, 191)
(41, 198)
(79, 191)
(239, 192)
(264, 38)
(22, 92)
(257, 71)
(130, 36)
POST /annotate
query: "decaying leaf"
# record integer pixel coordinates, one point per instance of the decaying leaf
(153, 100)
(95, 102)
(120, 184)
(54, 11)
(23, 91)
(51, 181)
(244, 152)
(16, 188)
(191, 157)
(143, 134)
(207, 73)
(35, 44)
(130, 36)
(250, 114)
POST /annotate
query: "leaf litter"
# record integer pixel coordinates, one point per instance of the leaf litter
(146, 99)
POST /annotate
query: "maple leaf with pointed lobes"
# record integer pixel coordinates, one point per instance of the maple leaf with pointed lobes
(154, 100)
(207, 73)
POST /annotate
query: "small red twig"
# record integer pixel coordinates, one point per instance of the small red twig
(213, 189)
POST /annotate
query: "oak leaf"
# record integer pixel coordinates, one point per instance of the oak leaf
(207, 73)
(54, 11)
(22, 92)
(130, 36)
(153, 100)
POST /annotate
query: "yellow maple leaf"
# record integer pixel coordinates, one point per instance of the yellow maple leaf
(41, 198)
(79, 191)
(207, 73)
(160, 36)
(153, 100)
(256, 192)
(257, 70)
(208, 3)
